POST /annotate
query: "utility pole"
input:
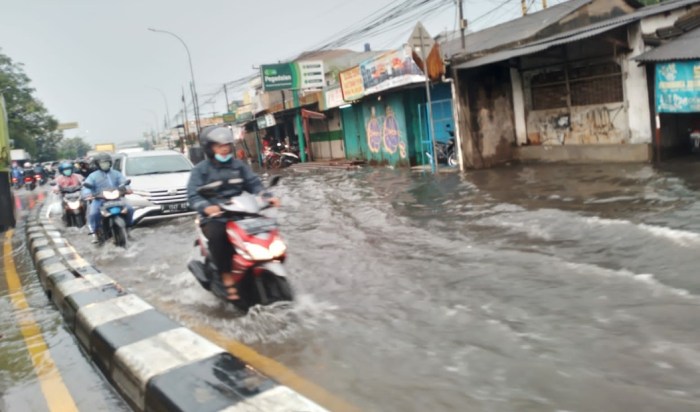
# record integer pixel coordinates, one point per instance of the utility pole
(185, 125)
(226, 97)
(195, 107)
(544, 4)
(463, 24)
(523, 3)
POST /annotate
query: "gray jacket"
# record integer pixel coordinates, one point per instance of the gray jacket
(237, 176)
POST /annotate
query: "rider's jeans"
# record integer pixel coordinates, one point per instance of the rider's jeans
(95, 218)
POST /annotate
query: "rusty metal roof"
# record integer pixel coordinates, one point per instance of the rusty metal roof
(685, 47)
(511, 32)
(576, 34)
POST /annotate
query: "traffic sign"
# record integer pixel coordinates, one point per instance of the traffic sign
(420, 41)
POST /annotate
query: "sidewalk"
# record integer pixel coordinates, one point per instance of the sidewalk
(330, 164)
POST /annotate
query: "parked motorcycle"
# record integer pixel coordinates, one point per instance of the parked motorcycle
(114, 214)
(446, 152)
(73, 206)
(280, 156)
(695, 140)
(257, 263)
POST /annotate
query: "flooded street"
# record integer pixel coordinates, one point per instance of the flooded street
(38, 355)
(523, 288)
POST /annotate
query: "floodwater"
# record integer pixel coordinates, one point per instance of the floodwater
(522, 288)
(21, 388)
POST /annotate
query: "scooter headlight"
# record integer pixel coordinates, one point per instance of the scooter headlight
(75, 204)
(111, 194)
(278, 248)
(258, 252)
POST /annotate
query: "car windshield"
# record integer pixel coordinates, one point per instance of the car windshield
(156, 165)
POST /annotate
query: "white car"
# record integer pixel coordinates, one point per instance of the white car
(159, 181)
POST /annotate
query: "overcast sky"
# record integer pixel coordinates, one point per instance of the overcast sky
(94, 61)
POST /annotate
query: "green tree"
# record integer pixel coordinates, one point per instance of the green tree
(30, 125)
(73, 148)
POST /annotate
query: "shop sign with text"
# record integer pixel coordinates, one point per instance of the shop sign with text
(351, 84)
(296, 75)
(678, 87)
(390, 70)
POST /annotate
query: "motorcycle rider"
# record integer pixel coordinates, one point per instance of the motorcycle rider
(17, 173)
(28, 170)
(103, 178)
(237, 177)
(39, 171)
(66, 177)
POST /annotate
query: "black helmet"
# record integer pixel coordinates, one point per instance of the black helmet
(102, 158)
(215, 134)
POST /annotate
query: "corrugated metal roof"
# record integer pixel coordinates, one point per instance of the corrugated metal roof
(512, 31)
(685, 47)
(577, 34)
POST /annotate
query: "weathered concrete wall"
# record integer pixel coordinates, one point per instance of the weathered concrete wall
(636, 90)
(596, 124)
(518, 106)
(585, 153)
(492, 116)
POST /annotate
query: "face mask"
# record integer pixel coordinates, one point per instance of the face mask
(67, 172)
(223, 158)
(104, 166)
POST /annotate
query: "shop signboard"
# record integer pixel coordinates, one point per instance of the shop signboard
(267, 120)
(351, 84)
(678, 87)
(390, 70)
(295, 75)
(229, 117)
(333, 98)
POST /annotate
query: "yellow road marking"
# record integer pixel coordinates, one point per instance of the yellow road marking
(57, 395)
(277, 371)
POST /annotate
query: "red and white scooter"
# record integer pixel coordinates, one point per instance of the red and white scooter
(258, 262)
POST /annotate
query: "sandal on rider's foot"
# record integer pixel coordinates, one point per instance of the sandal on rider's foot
(231, 292)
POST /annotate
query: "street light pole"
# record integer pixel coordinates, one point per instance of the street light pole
(167, 109)
(189, 58)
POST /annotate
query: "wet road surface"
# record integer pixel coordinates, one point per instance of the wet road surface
(41, 365)
(523, 288)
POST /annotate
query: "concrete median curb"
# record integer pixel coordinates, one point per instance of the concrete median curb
(154, 362)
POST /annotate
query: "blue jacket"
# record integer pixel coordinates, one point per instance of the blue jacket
(237, 176)
(103, 180)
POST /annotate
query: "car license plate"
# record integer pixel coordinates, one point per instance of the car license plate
(174, 207)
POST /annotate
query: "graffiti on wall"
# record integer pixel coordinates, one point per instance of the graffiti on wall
(599, 124)
(385, 133)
